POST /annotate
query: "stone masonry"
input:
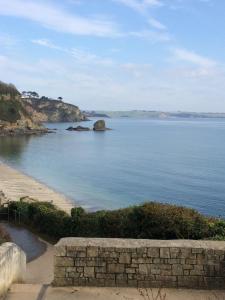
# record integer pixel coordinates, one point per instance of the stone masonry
(139, 263)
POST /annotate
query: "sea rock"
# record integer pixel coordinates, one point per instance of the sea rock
(78, 128)
(99, 126)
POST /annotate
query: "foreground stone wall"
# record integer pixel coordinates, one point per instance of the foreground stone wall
(12, 266)
(139, 263)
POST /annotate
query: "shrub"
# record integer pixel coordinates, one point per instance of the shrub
(149, 221)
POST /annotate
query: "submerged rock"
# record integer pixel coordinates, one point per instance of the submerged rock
(78, 128)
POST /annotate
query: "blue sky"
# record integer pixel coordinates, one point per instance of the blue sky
(117, 54)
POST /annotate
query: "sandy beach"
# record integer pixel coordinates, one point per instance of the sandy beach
(15, 185)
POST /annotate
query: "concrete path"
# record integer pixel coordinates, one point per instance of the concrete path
(15, 185)
(45, 292)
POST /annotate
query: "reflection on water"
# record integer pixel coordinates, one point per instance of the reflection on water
(174, 161)
(12, 147)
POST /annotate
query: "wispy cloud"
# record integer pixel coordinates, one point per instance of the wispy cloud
(152, 36)
(47, 43)
(156, 24)
(80, 56)
(193, 58)
(140, 6)
(56, 18)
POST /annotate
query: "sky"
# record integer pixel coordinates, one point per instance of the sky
(164, 55)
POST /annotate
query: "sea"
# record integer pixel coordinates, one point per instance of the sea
(176, 161)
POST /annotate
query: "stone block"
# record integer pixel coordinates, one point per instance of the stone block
(106, 276)
(96, 262)
(60, 272)
(145, 269)
(197, 250)
(62, 281)
(80, 262)
(100, 269)
(89, 271)
(177, 269)
(64, 261)
(132, 283)
(125, 258)
(174, 252)
(130, 270)
(110, 282)
(60, 251)
(166, 273)
(165, 278)
(96, 282)
(165, 252)
(153, 252)
(92, 252)
(116, 268)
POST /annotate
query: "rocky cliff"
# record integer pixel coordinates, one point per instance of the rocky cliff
(48, 110)
(14, 118)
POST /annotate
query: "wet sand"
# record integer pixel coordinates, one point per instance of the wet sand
(15, 185)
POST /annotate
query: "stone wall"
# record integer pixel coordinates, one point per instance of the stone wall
(139, 263)
(12, 266)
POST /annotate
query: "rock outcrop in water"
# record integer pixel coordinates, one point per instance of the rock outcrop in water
(14, 118)
(78, 128)
(99, 126)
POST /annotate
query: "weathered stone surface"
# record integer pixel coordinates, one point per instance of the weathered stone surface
(125, 258)
(115, 268)
(140, 263)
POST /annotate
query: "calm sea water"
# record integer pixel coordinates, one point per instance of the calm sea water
(174, 161)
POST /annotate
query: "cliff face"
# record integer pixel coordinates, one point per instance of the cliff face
(48, 110)
(14, 118)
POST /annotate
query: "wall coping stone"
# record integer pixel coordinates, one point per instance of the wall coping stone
(139, 243)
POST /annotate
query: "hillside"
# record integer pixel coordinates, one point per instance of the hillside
(158, 114)
(49, 110)
(14, 118)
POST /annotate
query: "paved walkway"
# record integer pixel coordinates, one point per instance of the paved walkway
(40, 275)
(45, 292)
(15, 185)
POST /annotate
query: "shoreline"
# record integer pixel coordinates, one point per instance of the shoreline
(15, 184)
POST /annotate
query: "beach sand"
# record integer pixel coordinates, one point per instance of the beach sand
(14, 184)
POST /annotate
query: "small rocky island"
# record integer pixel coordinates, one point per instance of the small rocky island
(98, 126)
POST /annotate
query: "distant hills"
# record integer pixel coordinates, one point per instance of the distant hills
(153, 114)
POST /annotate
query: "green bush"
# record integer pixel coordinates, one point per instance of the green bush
(149, 221)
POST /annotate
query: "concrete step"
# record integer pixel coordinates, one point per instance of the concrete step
(27, 292)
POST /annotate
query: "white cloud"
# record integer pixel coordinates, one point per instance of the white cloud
(156, 24)
(185, 55)
(56, 18)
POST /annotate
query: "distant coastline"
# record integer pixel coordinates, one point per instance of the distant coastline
(154, 114)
